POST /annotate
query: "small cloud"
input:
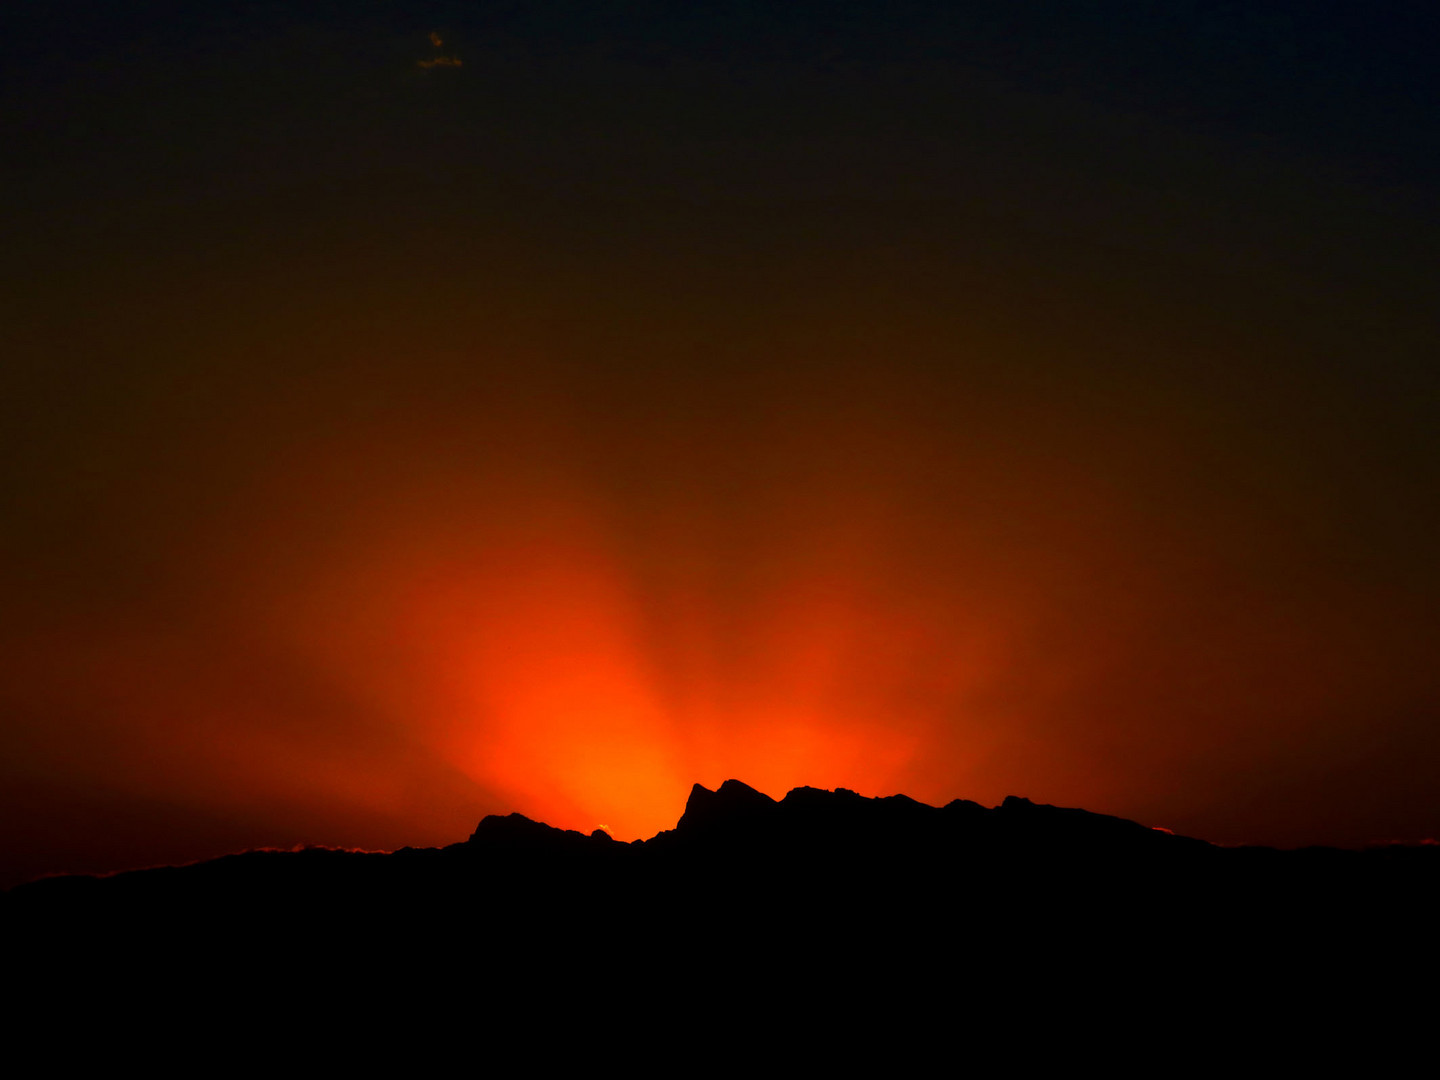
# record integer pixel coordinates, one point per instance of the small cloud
(436, 39)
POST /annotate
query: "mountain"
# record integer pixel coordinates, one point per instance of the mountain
(824, 912)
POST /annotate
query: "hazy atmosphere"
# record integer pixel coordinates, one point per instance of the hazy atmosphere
(413, 411)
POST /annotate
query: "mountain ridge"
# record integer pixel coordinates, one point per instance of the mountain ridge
(868, 918)
(736, 817)
(736, 808)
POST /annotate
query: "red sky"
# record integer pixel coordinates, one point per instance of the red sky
(377, 457)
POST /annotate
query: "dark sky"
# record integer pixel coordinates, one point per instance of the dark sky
(957, 399)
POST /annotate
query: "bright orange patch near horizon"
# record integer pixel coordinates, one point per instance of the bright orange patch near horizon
(531, 664)
(584, 655)
(387, 632)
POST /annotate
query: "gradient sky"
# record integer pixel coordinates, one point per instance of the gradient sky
(937, 398)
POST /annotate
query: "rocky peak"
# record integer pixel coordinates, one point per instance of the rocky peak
(734, 803)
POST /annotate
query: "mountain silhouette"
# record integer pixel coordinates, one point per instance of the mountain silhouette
(826, 919)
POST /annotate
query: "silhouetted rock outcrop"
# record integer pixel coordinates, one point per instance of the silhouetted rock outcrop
(850, 834)
(516, 832)
(733, 806)
(824, 908)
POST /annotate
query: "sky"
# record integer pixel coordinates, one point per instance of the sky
(416, 410)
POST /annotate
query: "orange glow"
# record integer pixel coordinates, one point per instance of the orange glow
(381, 632)
(553, 702)
(529, 665)
(627, 406)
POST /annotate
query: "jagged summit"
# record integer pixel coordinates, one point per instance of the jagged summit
(737, 816)
(810, 835)
(516, 831)
(732, 804)
(816, 901)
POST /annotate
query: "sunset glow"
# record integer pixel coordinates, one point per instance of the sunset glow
(915, 399)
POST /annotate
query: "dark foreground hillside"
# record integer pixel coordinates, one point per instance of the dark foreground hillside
(826, 925)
